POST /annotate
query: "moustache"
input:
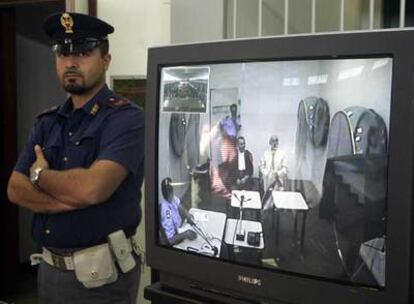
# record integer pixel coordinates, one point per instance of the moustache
(72, 73)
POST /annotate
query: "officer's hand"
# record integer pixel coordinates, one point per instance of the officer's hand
(41, 161)
(190, 234)
(191, 216)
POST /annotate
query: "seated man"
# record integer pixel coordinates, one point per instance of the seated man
(171, 215)
(244, 166)
(272, 169)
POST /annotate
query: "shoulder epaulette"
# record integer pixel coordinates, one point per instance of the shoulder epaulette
(116, 101)
(48, 111)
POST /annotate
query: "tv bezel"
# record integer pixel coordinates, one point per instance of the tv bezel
(224, 276)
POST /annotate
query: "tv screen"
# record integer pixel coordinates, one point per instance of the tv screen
(279, 165)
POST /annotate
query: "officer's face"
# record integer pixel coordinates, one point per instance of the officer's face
(82, 73)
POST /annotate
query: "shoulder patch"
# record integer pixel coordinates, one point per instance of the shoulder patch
(168, 214)
(116, 102)
(48, 111)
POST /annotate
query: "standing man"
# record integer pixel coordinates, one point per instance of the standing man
(224, 154)
(81, 172)
(231, 125)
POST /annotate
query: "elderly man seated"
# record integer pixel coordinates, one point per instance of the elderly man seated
(273, 172)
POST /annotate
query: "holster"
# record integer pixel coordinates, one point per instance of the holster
(95, 266)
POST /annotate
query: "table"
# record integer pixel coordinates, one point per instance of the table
(290, 200)
(246, 226)
(212, 224)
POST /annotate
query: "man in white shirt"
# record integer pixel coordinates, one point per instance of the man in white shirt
(272, 169)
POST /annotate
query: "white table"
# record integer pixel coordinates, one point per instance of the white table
(289, 200)
(212, 224)
(251, 199)
(246, 227)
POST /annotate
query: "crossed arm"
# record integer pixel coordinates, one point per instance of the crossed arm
(60, 191)
(21, 191)
(84, 187)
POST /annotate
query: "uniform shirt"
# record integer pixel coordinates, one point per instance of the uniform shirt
(107, 127)
(231, 127)
(170, 216)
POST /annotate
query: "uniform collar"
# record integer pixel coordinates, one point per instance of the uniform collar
(88, 107)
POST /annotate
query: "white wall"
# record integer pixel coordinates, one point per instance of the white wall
(138, 24)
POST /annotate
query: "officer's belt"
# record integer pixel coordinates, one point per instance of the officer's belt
(65, 261)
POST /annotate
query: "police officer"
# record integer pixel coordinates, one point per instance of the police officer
(172, 213)
(81, 172)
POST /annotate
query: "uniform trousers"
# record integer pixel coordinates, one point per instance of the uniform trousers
(61, 287)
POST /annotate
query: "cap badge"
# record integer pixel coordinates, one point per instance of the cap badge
(67, 22)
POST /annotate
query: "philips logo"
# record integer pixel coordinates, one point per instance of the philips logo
(249, 280)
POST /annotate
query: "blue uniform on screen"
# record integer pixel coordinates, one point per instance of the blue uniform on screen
(170, 216)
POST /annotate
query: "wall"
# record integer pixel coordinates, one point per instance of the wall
(273, 17)
(138, 24)
(196, 20)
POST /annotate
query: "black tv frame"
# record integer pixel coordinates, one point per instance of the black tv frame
(194, 273)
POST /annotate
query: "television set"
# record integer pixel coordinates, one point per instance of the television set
(280, 169)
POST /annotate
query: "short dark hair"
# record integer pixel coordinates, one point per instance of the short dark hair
(104, 47)
(166, 187)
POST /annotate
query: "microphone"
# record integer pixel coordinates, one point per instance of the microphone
(240, 234)
(241, 201)
(201, 234)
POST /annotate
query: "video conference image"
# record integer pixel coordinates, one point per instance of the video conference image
(280, 165)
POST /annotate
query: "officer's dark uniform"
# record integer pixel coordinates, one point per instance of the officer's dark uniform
(107, 127)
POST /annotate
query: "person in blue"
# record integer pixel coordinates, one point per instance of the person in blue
(81, 171)
(171, 214)
(224, 153)
(231, 125)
